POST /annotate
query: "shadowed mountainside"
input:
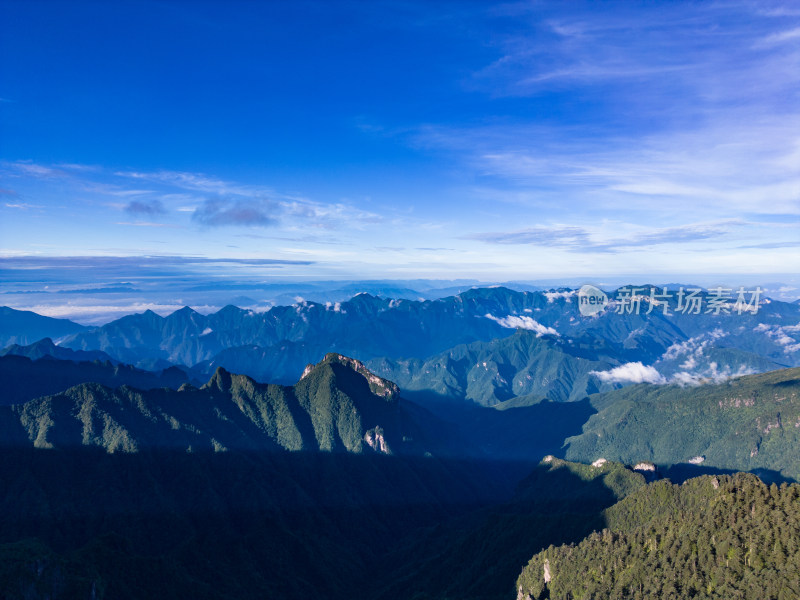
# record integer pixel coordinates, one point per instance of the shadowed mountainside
(26, 379)
(26, 327)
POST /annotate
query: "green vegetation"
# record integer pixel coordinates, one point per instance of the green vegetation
(488, 373)
(746, 424)
(336, 485)
(711, 538)
(337, 406)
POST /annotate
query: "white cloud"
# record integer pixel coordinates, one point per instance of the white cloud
(514, 322)
(553, 296)
(633, 372)
(693, 348)
(780, 335)
(781, 36)
(711, 375)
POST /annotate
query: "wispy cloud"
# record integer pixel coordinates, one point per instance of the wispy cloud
(144, 224)
(21, 205)
(770, 245)
(193, 181)
(652, 49)
(724, 167)
(570, 237)
(782, 36)
(129, 263)
(582, 240)
(30, 169)
(685, 112)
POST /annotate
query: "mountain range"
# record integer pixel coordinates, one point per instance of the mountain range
(405, 339)
(337, 406)
(413, 469)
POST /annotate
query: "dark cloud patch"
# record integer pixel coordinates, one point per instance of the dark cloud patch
(146, 207)
(223, 212)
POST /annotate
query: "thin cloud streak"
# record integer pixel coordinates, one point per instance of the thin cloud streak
(579, 239)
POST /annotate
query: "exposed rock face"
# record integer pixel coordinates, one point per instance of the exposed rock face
(522, 595)
(377, 385)
(599, 463)
(696, 460)
(547, 575)
(307, 370)
(375, 439)
(645, 466)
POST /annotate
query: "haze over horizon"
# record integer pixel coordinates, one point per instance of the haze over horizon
(154, 143)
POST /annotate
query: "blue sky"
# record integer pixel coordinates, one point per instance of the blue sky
(403, 139)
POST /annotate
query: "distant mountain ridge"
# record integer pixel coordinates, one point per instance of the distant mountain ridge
(405, 339)
(25, 379)
(26, 327)
(46, 347)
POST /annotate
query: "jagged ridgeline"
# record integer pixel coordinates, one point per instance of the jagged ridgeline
(337, 405)
(714, 537)
(453, 338)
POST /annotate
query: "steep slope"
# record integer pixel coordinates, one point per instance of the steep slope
(711, 538)
(26, 327)
(747, 423)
